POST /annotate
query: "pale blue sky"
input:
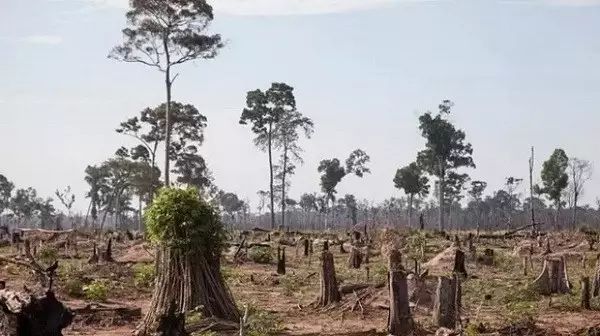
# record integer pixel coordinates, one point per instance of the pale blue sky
(521, 73)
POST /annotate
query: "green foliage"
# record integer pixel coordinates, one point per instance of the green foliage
(416, 244)
(262, 323)
(291, 284)
(411, 180)
(74, 287)
(180, 218)
(97, 290)
(332, 172)
(47, 254)
(554, 176)
(261, 254)
(144, 275)
(6, 188)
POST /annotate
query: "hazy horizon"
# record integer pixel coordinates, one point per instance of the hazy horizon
(521, 74)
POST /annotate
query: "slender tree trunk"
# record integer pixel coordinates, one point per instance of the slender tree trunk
(272, 195)
(410, 209)
(531, 205)
(168, 83)
(441, 201)
(285, 159)
(575, 199)
(85, 222)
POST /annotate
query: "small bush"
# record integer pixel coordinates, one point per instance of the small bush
(47, 254)
(261, 254)
(74, 287)
(143, 276)
(262, 323)
(291, 284)
(96, 291)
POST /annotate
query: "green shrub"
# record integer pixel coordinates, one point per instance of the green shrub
(181, 218)
(47, 254)
(74, 287)
(97, 290)
(291, 284)
(262, 323)
(143, 276)
(261, 254)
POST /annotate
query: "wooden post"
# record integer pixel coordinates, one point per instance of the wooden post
(306, 247)
(459, 263)
(329, 287)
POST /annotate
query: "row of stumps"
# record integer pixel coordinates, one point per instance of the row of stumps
(447, 304)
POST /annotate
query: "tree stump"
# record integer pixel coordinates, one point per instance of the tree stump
(445, 304)
(553, 279)
(547, 250)
(94, 257)
(306, 243)
(356, 258)
(329, 292)
(23, 314)
(107, 254)
(280, 260)
(400, 322)
(342, 251)
(585, 293)
(459, 263)
(487, 258)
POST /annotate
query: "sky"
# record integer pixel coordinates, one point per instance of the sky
(522, 73)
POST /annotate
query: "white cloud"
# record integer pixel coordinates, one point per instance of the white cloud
(43, 39)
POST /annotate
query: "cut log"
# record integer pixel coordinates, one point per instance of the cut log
(347, 289)
(400, 322)
(329, 288)
(24, 314)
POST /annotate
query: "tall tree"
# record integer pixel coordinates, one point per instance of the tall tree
(264, 110)
(6, 188)
(413, 182)
(554, 180)
(332, 172)
(67, 199)
(580, 171)
(24, 203)
(476, 192)
(445, 149)
(349, 202)
(287, 135)
(164, 34)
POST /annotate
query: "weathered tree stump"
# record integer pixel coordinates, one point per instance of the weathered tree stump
(329, 292)
(280, 260)
(356, 258)
(459, 263)
(447, 301)
(107, 254)
(27, 315)
(553, 279)
(487, 258)
(547, 250)
(94, 257)
(400, 322)
(585, 293)
(306, 247)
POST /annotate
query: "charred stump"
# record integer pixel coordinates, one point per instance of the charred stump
(306, 247)
(27, 315)
(280, 260)
(585, 293)
(356, 258)
(400, 322)
(459, 263)
(329, 292)
(94, 257)
(107, 254)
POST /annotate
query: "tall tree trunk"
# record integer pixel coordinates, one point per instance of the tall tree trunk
(168, 83)
(531, 205)
(410, 209)
(575, 199)
(272, 195)
(441, 201)
(285, 159)
(85, 222)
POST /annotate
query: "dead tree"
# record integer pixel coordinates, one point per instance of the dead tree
(445, 310)
(329, 292)
(26, 314)
(585, 293)
(553, 279)
(280, 260)
(400, 322)
(459, 263)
